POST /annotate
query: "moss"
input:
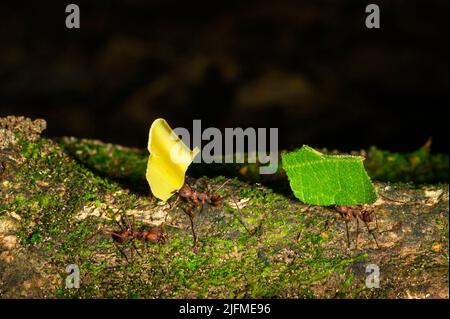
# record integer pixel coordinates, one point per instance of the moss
(228, 262)
(126, 166)
(260, 244)
(420, 166)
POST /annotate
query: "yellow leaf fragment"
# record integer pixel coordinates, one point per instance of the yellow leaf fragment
(168, 161)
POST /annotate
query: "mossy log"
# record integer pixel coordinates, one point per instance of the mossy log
(60, 201)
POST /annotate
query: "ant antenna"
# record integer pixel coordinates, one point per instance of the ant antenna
(221, 186)
(239, 217)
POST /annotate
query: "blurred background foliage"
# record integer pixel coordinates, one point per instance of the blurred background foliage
(310, 68)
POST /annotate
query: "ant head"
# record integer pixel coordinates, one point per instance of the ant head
(216, 200)
(185, 191)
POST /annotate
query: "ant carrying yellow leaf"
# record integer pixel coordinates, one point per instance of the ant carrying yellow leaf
(196, 198)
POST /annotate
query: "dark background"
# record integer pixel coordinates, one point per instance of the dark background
(310, 68)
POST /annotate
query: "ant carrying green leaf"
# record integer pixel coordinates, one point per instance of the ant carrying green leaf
(359, 213)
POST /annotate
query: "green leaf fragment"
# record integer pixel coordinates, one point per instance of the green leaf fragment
(320, 179)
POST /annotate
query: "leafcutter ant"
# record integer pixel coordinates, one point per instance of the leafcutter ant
(194, 199)
(127, 233)
(359, 213)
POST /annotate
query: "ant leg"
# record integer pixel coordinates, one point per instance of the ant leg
(193, 230)
(376, 221)
(222, 185)
(239, 217)
(96, 232)
(132, 254)
(137, 250)
(202, 207)
(348, 234)
(127, 225)
(357, 232)
(133, 221)
(122, 252)
(115, 234)
(165, 236)
(373, 235)
(118, 213)
(175, 202)
(127, 222)
(121, 226)
(329, 223)
(297, 238)
(191, 219)
(145, 245)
